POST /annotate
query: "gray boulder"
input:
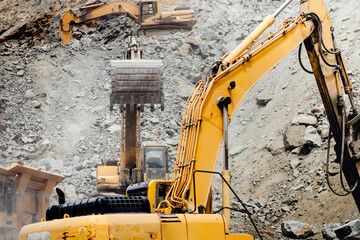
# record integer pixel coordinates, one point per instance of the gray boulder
(303, 119)
(328, 230)
(311, 137)
(292, 136)
(70, 193)
(349, 231)
(51, 164)
(236, 150)
(297, 230)
(263, 99)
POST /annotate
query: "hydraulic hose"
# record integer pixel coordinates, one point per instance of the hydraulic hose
(347, 191)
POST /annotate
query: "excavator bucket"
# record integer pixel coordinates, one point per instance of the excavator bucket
(136, 81)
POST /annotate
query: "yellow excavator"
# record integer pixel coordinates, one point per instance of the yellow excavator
(135, 82)
(181, 208)
(147, 14)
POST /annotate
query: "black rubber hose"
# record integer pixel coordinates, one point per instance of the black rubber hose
(347, 192)
(327, 172)
(300, 61)
(232, 190)
(342, 156)
(319, 27)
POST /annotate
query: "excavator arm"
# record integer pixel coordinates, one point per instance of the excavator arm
(230, 79)
(96, 11)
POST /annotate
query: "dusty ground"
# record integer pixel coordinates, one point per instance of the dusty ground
(72, 131)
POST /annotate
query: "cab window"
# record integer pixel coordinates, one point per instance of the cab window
(148, 10)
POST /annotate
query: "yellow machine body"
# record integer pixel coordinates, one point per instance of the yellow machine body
(132, 226)
(107, 177)
(155, 192)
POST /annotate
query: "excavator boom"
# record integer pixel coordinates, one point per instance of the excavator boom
(99, 10)
(233, 76)
(148, 15)
(202, 108)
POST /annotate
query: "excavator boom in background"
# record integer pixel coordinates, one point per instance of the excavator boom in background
(147, 14)
(181, 209)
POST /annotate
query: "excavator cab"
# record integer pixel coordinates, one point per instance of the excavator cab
(154, 167)
(155, 161)
(148, 9)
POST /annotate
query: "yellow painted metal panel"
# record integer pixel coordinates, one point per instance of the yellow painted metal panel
(205, 226)
(99, 227)
(107, 177)
(134, 226)
(151, 195)
(89, 227)
(173, 226)
(107, 171)
(239, 237)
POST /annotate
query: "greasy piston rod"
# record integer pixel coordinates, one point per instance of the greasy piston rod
(281, 8)
(267, 22)
(223, 103)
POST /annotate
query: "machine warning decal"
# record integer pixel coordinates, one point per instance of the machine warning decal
(82, 233)
(169, 218)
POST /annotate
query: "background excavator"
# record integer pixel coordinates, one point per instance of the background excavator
(181, 208)
(135, 82)
(147, 14)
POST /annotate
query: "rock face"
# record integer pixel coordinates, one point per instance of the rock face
(185, 91)
(311, 137)
(328, 230)
(304, 119)
(297, 230)
(51, 164)
(263, 100)
(237, 150)
(350, 231)
(292, 136)
(114, 128)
